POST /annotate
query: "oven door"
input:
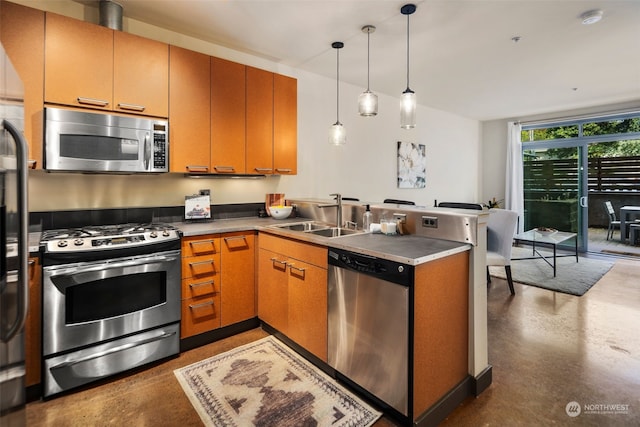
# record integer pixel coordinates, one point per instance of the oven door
(88, 303)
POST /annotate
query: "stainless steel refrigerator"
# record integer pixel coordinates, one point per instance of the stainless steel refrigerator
(14, 282)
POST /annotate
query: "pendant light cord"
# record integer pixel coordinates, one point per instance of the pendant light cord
(408, 51)
(337, 85)
(368, 56)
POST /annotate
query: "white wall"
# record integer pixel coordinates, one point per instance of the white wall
(364, 168)
(494, 144)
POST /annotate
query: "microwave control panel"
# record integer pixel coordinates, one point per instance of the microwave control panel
(160, 148)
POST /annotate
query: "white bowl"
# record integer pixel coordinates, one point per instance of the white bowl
(280, 212)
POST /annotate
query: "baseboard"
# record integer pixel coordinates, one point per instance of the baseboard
(218, 334)
(482, 381)
(446, 405)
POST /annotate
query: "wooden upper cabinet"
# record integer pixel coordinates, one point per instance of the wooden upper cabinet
(259, 121)
(78, 63)
(285, 125)
(228, 106)
(22, 35)
(141, 75)
(189, 109)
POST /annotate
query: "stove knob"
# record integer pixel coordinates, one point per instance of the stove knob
(165, 233)
(153, 234)
(62, 244)
(78, 242)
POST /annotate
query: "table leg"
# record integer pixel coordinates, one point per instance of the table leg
(623, 226)
(576, 239)
(554, 260)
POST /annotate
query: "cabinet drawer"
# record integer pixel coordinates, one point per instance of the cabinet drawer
(199, 266)
(194, 287)
(313, 254)
(200, 245)
(200, 315)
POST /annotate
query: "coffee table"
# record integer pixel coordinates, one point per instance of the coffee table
(553, 239)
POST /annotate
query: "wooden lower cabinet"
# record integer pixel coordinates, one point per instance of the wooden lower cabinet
(200, 285)
(33, 331)
(292, 291)
(218, 281)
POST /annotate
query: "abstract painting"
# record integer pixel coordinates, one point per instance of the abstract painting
(412, 165)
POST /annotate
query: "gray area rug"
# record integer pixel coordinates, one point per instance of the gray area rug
(265, 383)
(572, 277)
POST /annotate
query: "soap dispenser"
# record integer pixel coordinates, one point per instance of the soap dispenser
(367, 219)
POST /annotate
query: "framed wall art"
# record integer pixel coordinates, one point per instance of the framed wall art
(412, 165)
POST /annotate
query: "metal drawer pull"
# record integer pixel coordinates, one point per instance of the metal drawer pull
(92, 101)
(113, 350)
(201, 262)
(277, 261)
(283, 170)
(202, 304)
(132, 107)
(262, 170)
(196, 168)
(224, 168)
(32, 163)
(197, 285)
(228, 239)
(293, 267)
(202, 242)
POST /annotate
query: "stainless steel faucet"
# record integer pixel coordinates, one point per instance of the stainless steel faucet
(338, 206)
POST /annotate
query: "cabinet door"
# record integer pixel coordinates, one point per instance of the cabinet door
(285, 125)
(272, 290)
(32, 329)
(189, 129)
(78, 63)
(259, 121)
(307, 315)
(22, 35)
(238, 288)
(228, 109)
(141, 75)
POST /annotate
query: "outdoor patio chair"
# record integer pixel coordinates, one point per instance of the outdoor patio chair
(613, 221)
(501, 228)
(634, 233)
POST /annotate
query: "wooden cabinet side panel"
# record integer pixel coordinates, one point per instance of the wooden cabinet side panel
(308, 307)
(33, 331)
(228, 111)
(22, 35)
(189, 108)
(285, 125)
(238, 287)
(141, 74)
(259, 121)
(78, 61)
(272, 290)
(441, 328)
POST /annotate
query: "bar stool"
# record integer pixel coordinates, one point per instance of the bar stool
(634, 234)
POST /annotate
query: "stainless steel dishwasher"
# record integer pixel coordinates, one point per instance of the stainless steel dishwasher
(368, 324)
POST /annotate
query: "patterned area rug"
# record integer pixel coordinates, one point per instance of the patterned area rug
(574, 278)
(264, 383)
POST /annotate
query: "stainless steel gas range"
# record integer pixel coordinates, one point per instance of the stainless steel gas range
(111, 301)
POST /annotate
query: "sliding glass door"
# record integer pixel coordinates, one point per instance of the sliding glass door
(555, 191)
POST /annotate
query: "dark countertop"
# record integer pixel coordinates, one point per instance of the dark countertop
(408, 249)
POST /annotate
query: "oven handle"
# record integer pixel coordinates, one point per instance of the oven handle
(111, 266)
(112, 350)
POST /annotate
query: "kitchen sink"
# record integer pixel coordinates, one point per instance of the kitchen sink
(335, 232)
(304, 226)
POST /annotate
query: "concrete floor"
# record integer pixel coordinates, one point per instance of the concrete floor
(547, 350)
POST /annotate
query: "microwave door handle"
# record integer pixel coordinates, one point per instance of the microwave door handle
(23, 236)
(147, 152)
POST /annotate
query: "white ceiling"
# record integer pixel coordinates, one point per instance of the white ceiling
(462, 57)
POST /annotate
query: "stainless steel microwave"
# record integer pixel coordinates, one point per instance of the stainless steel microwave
(81, 141)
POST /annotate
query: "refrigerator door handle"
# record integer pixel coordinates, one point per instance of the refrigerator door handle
(23, 236)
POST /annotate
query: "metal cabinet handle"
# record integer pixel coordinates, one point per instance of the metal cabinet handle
(92, 101)
(132, 107)
(277, 261)
(197, 168)
(228, 239)
(202, 304)
(32, 163)
(293, 267)
(225, 169)
(263, 170)
(203, 242)
(197, 285)
(283, 170)
(201, 262)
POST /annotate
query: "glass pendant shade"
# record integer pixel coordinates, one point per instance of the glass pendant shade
(337, 134)
(408, 104)
(368, 103)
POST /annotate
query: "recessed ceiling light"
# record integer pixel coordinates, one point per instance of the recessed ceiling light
(591, 16)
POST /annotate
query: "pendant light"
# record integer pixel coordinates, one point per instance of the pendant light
(337, 133)
(408, 100)
(368, 101)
